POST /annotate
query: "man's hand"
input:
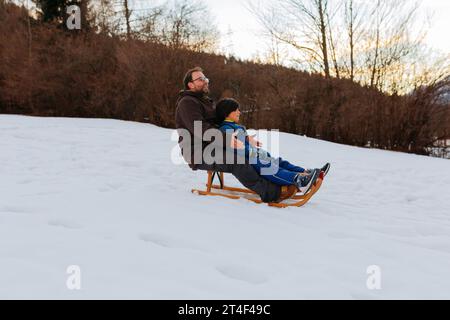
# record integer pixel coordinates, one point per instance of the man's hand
(236, 143)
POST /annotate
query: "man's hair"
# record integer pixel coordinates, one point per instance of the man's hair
(224, 107)
(188, 76)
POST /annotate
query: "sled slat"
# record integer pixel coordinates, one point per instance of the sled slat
(296, 201)
(215, 186)
(206, 193)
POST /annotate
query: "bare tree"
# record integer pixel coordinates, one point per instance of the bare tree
(332, 42)
(189, 25)
(105, 17)
(276, 53)
(127, 13)
(150, 24)
(353, 21)
(388, 40)
(181, 24)
(364, 41)
(321, 7)
(301, 24)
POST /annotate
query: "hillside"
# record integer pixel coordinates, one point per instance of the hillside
(105, 196)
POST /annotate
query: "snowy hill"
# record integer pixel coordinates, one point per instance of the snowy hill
(103, 195)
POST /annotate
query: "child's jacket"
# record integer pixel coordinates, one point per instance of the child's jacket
(242, 135)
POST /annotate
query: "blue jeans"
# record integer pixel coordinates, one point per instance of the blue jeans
(283, 172)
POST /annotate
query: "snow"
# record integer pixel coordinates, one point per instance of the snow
(104, 195)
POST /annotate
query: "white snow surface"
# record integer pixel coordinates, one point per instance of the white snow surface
(104, 195)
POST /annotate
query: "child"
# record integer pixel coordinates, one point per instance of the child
(283, 173)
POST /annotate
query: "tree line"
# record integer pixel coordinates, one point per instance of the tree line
(132, 70)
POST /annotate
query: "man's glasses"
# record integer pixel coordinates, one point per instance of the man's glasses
(202, 78)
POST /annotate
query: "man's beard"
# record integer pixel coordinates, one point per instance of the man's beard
(204, 90)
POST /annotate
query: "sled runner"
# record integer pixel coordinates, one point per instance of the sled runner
(236, 193)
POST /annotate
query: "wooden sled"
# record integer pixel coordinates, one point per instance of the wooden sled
(237, 193)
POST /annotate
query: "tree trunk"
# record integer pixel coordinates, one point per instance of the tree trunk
(351, 33)
(323, 31)
(127, 18)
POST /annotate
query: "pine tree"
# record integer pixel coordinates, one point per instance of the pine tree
(53, 10)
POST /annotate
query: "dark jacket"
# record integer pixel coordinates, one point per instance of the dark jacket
(190, 107)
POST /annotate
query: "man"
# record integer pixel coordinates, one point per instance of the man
(194, 105)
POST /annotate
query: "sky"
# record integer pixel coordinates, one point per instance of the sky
(242, 36)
